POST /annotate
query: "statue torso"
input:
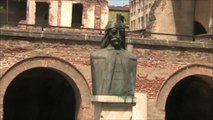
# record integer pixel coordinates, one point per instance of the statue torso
(114, 72)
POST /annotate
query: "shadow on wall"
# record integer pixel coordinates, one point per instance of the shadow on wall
(198, 28)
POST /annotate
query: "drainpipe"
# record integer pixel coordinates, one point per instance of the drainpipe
(194, 12)
(211, 19)
(59, 13)
(7, 16)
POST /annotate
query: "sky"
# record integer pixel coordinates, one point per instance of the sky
(118, 2)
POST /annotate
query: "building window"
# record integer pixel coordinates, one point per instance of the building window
(42, 14)
(141, 4)
(131, 3)
(131, 6)
(147, 19)
(131, 25)
(142, 20)
(77, 12)
(134, 24)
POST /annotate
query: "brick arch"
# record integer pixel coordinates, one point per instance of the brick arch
(190, 70)
(74, 77)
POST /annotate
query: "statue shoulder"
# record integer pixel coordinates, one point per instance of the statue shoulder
(99, 53)
(130, 54)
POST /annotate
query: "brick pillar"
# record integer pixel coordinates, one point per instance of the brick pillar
(31, 9)
(88, 19)
(104, 15)
(97, 16)
(53, 13)
(66, 13)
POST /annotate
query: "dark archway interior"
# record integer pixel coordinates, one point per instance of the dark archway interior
(77, 11)
(39, 94)
(13, 12)
(42, 14)
(198, 28)
(191, 99)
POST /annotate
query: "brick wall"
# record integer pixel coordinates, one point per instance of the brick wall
(155, 63)
(13, 51)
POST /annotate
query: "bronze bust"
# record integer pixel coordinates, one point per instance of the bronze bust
(113, 67)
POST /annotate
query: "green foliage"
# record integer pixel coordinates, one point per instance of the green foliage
(2, 9)
(112, 16)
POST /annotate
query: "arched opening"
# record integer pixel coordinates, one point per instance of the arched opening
(42, 14)
(40, 94)
(198, 28)
(77, 12)
(191, 99)
(57, 66)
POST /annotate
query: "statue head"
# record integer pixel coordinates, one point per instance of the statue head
(115, 34)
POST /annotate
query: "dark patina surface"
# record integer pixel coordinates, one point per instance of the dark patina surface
(113, 67)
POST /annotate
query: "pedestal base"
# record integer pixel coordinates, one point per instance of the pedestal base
(113, 107)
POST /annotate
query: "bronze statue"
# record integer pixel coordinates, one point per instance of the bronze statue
(113, 67)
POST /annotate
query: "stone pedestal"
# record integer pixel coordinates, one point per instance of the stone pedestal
(113, 107)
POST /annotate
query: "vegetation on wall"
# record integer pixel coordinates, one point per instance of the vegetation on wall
(112, 15)
(2, 9)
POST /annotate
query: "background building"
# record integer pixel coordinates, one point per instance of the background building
(71, 13)
(123, 10)
(182, 18)
(140, 13)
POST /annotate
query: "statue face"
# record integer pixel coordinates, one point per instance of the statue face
(115, 37)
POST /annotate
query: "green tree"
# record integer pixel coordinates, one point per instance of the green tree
(2, 9)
